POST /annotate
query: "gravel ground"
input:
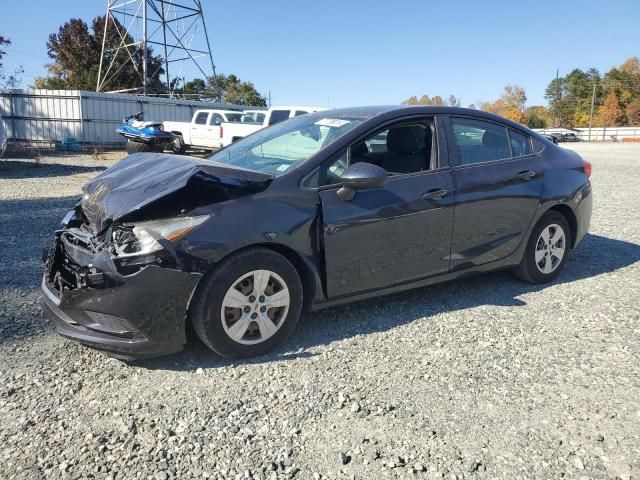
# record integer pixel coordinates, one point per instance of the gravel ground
(484, 378)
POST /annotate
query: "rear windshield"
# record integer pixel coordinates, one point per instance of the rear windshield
(233, 117)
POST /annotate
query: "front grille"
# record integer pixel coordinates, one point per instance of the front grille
(112, 323)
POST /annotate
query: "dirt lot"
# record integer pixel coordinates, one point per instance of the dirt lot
(483, 378)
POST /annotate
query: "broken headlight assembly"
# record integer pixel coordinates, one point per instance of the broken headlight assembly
(146, 237)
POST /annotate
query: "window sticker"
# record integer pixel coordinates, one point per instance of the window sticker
(332, 122)
(282, 167)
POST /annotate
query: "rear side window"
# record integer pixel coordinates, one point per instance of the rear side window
(478, 141)
(201, 118)
(260, 117)
(300, 112)
(520, 144)
(216, 119)
(279, 116)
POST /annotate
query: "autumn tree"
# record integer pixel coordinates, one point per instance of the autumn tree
(611, 113)
(8, 80)
(510, 105)
(633, 113)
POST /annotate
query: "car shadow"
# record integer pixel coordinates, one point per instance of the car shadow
(385, 313)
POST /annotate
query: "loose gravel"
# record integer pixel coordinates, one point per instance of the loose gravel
(483, 378)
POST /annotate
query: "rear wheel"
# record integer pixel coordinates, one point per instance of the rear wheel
(547, 249)
(248, 304)
(137, 147)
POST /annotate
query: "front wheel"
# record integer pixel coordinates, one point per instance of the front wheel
(248, 304)
(547, 249)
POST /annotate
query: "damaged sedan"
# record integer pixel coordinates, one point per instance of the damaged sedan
(316, 211)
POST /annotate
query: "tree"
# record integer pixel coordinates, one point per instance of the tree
(633, 113)
(510, 104)
(8, 80)
(454, 101)
(76, 51)
(242, 93)
(538, 117)
(611, 114)
(437, 100)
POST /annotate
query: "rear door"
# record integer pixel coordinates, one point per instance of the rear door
(498, 188)
(199, 128)
(394, 234)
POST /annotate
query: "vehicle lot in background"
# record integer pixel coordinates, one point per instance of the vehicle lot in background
(468, 378)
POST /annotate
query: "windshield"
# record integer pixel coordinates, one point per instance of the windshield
(280, 147)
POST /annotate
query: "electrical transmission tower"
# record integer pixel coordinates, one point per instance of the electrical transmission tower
(174, 29)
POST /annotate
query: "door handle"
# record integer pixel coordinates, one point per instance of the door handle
(527, 175)
(435, 194)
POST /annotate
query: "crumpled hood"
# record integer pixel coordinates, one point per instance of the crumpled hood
(143, 178)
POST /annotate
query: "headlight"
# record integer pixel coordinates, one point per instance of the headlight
(143, 237)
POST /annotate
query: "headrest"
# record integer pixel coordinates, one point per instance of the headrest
(402, 140)
(359, 150)
(493, 140)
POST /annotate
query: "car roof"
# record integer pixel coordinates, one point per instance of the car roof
(392, 111)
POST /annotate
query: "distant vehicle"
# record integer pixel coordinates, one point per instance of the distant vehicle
(230, 133)
(144, 136)
(571, 137)
(3, 138)
(550, 138)
(316, 211)
(203, 130)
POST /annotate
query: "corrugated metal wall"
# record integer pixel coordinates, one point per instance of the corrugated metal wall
(50, 115)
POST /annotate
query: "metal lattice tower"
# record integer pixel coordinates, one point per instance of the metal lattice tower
(175, 28)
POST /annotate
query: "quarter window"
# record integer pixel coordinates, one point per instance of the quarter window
(201, 118)
(477, 141)
(520, 144)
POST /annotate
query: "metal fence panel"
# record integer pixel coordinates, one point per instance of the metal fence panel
(49, 115)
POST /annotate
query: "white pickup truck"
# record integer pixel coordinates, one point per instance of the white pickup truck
(203, 131)
(230, 132)
(212, 129)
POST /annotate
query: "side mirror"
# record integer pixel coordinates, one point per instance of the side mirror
(359, 176)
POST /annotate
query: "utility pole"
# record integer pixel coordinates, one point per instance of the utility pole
(555, 104)
(144, 48)
(593, 101)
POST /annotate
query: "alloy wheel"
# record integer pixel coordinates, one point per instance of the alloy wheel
(550, 248)
(255, 307)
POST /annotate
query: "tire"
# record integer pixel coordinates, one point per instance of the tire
(137, 147)
(177, 146)
(549, 265)
(233, 282)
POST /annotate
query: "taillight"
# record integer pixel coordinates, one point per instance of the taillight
(221, 132)
(587, 168)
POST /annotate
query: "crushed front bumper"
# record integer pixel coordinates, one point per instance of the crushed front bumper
(131, 316)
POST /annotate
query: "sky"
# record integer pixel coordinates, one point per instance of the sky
(345, 53)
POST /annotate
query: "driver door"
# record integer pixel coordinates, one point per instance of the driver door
(395, 234)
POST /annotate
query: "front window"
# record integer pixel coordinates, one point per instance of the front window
(278, 148)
